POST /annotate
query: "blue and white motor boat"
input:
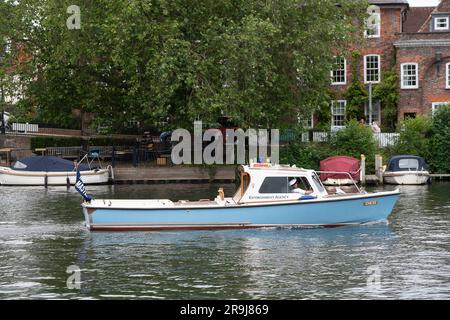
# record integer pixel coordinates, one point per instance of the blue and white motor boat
(265, 198)
(406, 169)
(51, 171)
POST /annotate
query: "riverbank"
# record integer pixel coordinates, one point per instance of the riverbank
(198, 174)
(173, 174)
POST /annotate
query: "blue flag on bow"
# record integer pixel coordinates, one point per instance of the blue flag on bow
(79, 186)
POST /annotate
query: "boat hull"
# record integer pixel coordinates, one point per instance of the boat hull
(406, 177)
(308, 213)
(11, 177)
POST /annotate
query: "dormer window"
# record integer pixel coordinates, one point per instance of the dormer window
(441, 23)
(373, 23)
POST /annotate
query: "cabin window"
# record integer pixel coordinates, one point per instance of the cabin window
(408, 164)
(19, 165)
(274, 185)
(302, 183)
(318, 183)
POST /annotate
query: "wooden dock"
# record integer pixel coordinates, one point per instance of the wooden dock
(173, 174)
(440, 177)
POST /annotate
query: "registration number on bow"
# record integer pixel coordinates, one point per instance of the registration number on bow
(370, 203)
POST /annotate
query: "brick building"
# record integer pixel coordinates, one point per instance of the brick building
(415, 42)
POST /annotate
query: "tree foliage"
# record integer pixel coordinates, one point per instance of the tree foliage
(356, 94)
(440, 140)
(387, 92)
(414, 137)
(260, 62)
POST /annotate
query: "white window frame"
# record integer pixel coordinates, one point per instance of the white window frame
(333, 126)
(436, 19)
(377, 27)
(447, 76)
(304, 121)
(345, 74)
(402, 71)
(378, 70)
(435, 105)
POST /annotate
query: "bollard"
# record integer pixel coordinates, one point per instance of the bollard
(379, 167)
(363, 169)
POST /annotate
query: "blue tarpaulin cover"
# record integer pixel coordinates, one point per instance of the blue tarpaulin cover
(406, 163)
(47, 164)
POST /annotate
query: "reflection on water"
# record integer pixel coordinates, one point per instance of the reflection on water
(42, 234)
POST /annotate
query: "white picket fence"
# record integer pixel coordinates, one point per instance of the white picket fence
(385, 139)
(25, 128)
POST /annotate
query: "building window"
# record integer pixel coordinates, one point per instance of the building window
(338, 113)
(441, 23)
(376, 112)
(339, 72)
(372, 69)
(436, 105)
(447, 76)
(307, 122)
(409, 115)
(373, 25)
(410, 76)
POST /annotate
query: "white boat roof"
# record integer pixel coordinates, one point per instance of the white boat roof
(266, 168)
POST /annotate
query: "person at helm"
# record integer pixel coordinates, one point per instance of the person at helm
(294, 188)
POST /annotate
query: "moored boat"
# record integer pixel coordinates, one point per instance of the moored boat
(50, 171)
(266, 197)
(339, 170)
(406, 169)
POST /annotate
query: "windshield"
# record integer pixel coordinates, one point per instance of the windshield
(317, 182)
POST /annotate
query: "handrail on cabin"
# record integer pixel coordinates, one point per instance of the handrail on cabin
(347, 173)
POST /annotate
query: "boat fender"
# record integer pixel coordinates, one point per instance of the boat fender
(68, 182)
(307, 197)
(46, 181)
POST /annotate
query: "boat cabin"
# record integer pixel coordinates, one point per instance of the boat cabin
(263, 182)
(406, 163)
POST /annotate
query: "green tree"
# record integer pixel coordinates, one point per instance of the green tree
(261, 62)
(354, 140)
(414, 137)
(440, 140)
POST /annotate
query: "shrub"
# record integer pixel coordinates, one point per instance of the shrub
(355, 140)
(44, 142)
(413, 139)
(440, 141)
(304, 155)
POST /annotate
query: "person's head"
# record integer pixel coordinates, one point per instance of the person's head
(293, 183)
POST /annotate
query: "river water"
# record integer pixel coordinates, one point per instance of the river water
(43, 243)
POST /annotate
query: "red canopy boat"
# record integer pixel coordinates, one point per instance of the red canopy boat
(339, 164)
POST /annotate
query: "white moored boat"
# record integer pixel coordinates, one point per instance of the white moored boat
(268, 196)
(50, 171)
(406, 169)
